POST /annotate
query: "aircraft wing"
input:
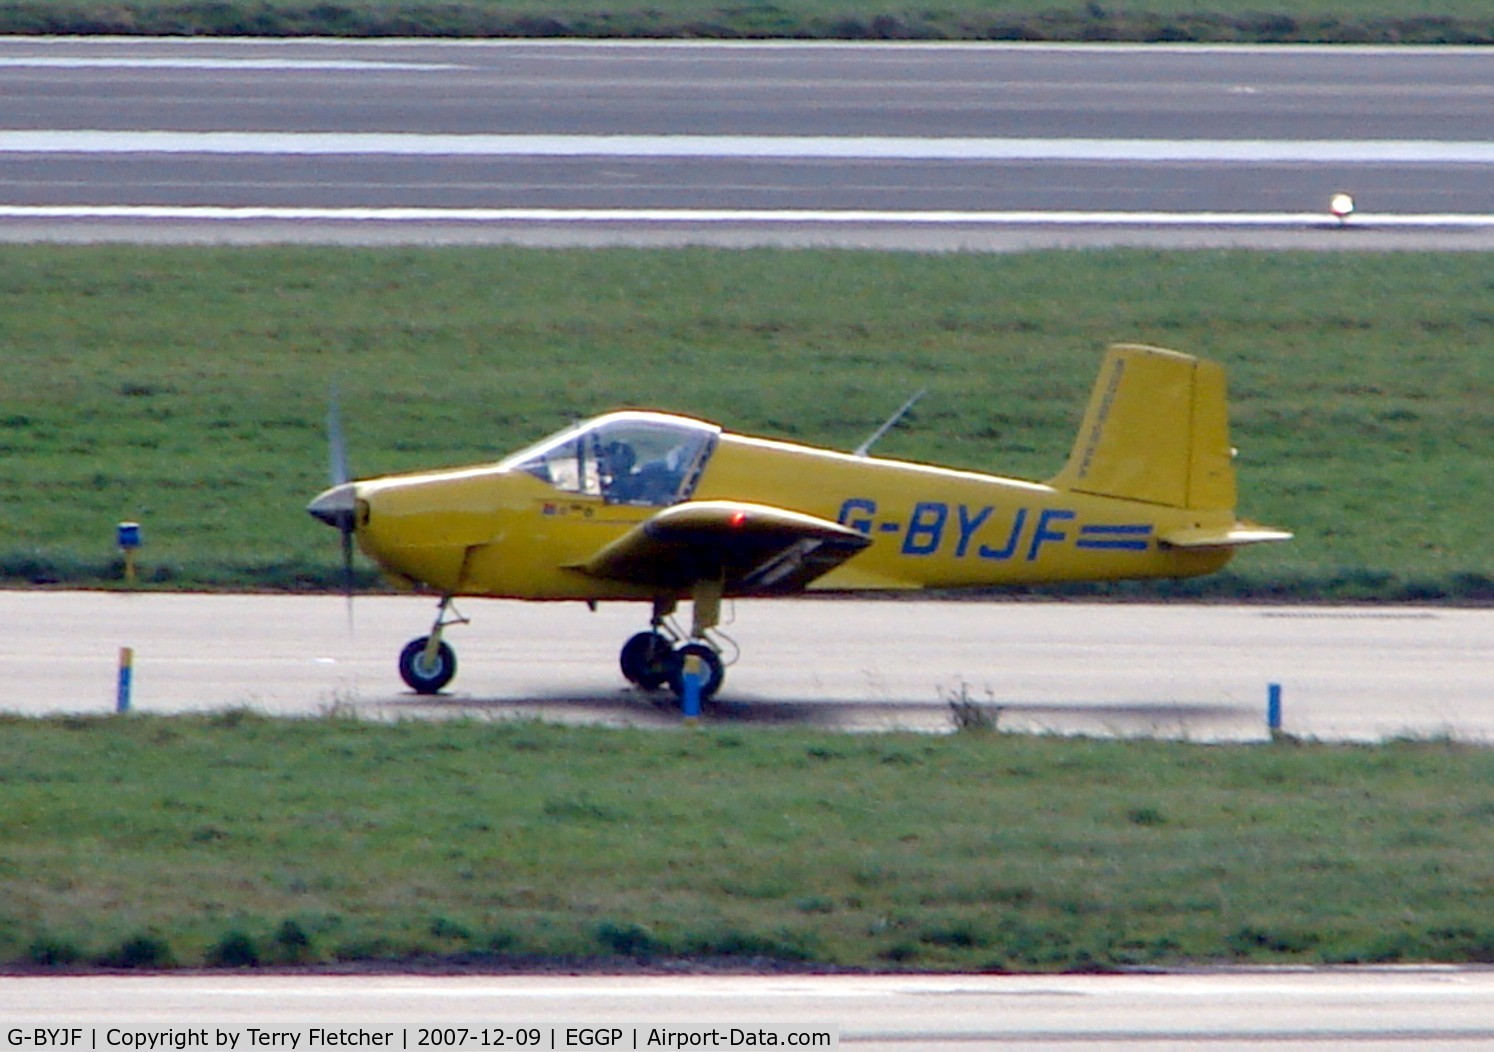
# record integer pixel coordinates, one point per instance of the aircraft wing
(751, 548)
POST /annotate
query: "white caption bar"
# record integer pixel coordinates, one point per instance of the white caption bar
(435, 1038)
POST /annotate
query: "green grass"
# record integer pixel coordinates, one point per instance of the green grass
(1332, 21)
(186, 388)
(233, 839)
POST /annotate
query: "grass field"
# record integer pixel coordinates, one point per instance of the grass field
(237, 840)
(186, 388)
(1331, 21)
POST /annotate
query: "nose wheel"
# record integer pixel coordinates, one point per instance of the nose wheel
(423, 673)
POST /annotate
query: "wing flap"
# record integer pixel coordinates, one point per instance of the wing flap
(750, 548)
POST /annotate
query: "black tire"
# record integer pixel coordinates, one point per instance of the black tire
(646, 660)
(715, 670)
(426, 680)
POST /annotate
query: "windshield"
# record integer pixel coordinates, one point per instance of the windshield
(624, 458)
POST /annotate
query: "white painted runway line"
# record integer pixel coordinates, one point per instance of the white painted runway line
(739, 147)
(721, 216)
(224, 65)
(1366, 52)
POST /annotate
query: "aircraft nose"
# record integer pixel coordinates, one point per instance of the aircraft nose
(335, 506)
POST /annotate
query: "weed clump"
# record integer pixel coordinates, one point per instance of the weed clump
(970, 716)
(293, 943)
(237, 949)
(52, 952)
(138, 951)
(627, 940)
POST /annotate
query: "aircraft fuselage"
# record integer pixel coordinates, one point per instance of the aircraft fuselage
(499, 532)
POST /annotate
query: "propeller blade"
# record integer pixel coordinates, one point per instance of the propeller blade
(339, 505)
(336, 446)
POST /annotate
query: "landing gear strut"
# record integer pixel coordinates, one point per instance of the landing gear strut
(656, 658)
(427, 664)
(651, 659)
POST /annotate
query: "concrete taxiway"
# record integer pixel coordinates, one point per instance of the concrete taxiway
(1189, 671)
(1426, 1009)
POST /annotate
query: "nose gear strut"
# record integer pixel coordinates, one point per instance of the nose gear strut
(427, 664)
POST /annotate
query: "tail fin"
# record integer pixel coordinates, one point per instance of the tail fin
(1156, 431)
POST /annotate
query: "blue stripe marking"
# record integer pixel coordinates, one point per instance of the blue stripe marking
(1118, 538)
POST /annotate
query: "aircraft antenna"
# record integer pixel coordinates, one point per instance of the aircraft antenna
(891, 423)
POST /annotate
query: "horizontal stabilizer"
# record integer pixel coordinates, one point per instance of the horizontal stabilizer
(1236, 536)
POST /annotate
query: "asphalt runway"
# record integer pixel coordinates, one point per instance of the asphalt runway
(1426, 1009)
(923, 146)
(1182, 671)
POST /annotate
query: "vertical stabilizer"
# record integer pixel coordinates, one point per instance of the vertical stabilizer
(1156, 430)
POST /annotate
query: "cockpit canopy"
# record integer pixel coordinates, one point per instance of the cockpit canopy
(651, 459)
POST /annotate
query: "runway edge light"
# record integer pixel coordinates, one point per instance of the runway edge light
(128, 536)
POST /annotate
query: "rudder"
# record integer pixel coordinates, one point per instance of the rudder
(1156, 430)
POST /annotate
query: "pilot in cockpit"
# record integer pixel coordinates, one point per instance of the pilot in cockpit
(625, 481)
(616, 461)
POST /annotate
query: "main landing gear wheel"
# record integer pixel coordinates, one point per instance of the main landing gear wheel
(714, 669)
(646, 660)
(422, 676)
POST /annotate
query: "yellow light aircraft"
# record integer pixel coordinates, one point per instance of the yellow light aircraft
(663, 509)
